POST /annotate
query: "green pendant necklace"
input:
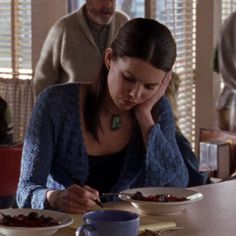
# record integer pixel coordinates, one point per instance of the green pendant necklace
(115, 120)
(115, 123)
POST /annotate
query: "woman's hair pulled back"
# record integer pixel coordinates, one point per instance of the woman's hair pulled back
(148, 40)
(141, 38)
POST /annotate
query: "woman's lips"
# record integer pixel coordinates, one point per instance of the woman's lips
(129, 103)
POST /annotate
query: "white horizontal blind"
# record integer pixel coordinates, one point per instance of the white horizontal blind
(15, 39)
(133, 8)
(15, 62)
(5, 35)
(180, 17)
(23, 35)
(228, 6)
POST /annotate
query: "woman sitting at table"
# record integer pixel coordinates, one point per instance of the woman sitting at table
(113, 134)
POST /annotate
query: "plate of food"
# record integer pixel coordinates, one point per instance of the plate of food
(160, 200)
(32, 222)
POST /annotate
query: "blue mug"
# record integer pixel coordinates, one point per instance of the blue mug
(109, 223)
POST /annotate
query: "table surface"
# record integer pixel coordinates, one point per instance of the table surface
(214, 215)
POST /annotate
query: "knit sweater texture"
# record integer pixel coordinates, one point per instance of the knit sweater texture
(69, 53)
(54, 146)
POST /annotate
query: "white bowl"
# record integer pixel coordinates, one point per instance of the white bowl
(161, 208)
(63, 219)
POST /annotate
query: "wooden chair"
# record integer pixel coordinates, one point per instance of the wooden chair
(10, 159)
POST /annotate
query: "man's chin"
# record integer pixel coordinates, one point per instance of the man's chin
(106, 20)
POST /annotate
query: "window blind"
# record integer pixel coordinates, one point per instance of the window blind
(228, 6)
(15, 39)
(5, 35)
(180, 17)
(133, 8)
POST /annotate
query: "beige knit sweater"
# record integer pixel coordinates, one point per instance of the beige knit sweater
(69, 53)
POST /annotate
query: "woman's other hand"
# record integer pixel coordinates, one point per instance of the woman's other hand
(74, 199)
(143, 110)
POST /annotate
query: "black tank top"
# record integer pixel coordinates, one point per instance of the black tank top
(104, 171)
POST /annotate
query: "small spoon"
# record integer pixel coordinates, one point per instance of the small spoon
(159, 232)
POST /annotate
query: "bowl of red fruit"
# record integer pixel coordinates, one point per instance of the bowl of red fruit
(160, 200)
(32, 222)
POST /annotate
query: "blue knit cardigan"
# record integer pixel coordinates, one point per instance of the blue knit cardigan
(54, 146)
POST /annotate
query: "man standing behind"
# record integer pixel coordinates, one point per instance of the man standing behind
(226, 103)
(74, 46)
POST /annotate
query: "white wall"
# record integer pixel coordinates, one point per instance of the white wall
(44, 15)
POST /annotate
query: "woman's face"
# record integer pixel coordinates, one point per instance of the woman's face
(131, 81)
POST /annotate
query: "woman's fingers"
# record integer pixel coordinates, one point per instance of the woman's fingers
(75, 204)
(75, 199)
(92, 190)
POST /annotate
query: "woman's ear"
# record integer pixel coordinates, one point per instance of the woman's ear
(108, 57)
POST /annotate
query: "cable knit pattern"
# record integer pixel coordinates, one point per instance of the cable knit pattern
(54, 146)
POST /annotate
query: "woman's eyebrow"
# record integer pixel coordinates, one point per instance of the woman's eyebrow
(131, 74)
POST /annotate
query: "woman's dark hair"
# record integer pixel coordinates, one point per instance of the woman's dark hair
(3, 122)
(141, 38)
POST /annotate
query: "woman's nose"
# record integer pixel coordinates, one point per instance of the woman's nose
(135, 92)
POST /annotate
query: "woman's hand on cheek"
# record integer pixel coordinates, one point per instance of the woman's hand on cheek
(147, 106)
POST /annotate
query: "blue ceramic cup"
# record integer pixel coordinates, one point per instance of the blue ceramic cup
(109, 223)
